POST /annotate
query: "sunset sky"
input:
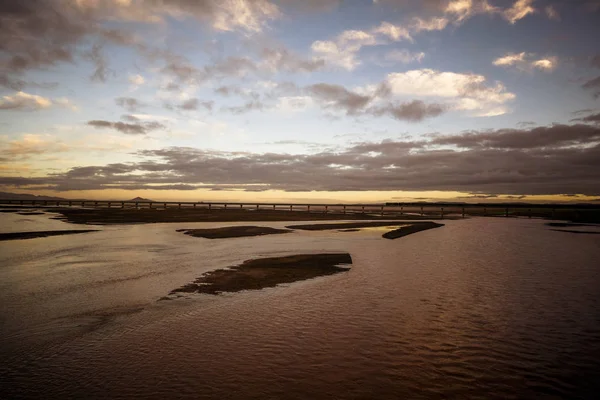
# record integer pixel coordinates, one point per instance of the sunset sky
(318, 100)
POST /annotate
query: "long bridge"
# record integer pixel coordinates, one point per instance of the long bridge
(430, 210)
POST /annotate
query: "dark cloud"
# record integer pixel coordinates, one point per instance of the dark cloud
(413, 111)
(553, 160)
(253, 105)
(129, 103)
(140, 128)
(338, 98)
(593, 118)
(539, 137)
(37, 34)
(194, 104)
(101, 69)
(593, 85)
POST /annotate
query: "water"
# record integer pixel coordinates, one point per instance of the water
(481, 308)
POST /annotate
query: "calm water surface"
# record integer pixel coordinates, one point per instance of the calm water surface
(481, 308)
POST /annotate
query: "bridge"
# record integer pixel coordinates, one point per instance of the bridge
(429, 210)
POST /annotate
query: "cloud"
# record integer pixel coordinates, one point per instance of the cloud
(131, 104)
(30, 145)
(526, 62)
(371, 102)
(552, 13)
(338, 97)
(593, 84)
(136, 80)
(558, 159)
(127, 128)
(404, 56)
(289, 104)
(222, 15)
(469, 91)
(591, 117)
(192, 104)
(343, 50)
(22, 101)
(413, 111)
(252, 105)
(37, 34)
(519, 10)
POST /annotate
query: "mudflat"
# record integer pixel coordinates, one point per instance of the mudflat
(105, 216)
(33, 235)
(261, 273)
(410, 229)
(233, 232)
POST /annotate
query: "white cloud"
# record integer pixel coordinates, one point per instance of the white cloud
(393, 32)
(432, 24)
(519, 10)
(469, 92)
(343, 50)
(510, 59)
(136, 80)
(526, 62)
(546, 64)
(464, 9)
(336, 55)
(30, 102)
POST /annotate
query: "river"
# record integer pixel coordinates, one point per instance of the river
(480, 308)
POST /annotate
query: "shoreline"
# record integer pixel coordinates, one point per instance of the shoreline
(41, 234)
(144, 216)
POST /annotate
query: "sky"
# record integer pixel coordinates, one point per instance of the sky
(314, 100)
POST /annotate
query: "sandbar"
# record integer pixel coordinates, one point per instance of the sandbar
(261, 273)
(233, 232)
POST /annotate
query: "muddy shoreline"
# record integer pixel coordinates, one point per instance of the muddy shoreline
(105, 216)
(261, 273)
(41, 234)
(233, 232)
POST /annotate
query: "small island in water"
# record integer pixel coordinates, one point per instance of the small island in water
(261, 273)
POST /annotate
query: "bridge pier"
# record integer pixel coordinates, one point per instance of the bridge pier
(442, 213)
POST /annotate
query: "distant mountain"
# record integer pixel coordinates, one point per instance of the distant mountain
(19, 196)
(141, 199)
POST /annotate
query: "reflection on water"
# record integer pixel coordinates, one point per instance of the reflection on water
(481, 308)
